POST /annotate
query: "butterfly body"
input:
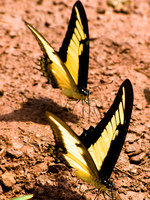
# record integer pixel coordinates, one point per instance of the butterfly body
(95, 152)
(68, 68)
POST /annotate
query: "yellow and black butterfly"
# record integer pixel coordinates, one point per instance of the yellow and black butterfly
(95, 152)
(68, 68)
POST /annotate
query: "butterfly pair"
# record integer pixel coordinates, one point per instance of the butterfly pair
(95, 152)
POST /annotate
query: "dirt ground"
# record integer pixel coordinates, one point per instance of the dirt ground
(119, 49)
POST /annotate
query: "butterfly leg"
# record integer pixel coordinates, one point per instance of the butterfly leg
(88, 102)
(89, 107)
(113, 193)
(82, 109)
(76, 104)
(109, 195)
(104, 195)
(83, 193)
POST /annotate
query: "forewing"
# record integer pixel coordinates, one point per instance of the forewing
(74, 152)
(105, 142)
(56, 67)
(74, 51)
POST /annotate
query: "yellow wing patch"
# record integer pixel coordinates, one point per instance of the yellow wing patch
(75, 48)
(100, 148)
(76, 154)
(57, 67)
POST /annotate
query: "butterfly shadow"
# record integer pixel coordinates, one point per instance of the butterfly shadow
(147, 95)
(34, 110)
(60, 188)
(57, 192)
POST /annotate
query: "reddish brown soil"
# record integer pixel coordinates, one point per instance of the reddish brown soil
(119, 49)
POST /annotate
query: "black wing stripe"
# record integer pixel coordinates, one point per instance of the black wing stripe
(122, 116)
(105, 142)
(74, 51)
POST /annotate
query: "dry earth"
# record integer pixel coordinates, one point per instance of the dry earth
(119, 49)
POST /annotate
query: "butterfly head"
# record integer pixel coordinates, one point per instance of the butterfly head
(108, 183)
(105, 186)
(85, 93)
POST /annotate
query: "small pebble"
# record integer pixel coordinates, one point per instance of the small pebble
(14, 153)
(138, 158)
(8, 179)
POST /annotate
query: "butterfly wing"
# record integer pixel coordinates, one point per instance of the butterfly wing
(74, 51)
(105, 142)
(55, 69)
(74, 152)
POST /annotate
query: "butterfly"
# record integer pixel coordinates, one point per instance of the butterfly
(68, 68)
(95, 152)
